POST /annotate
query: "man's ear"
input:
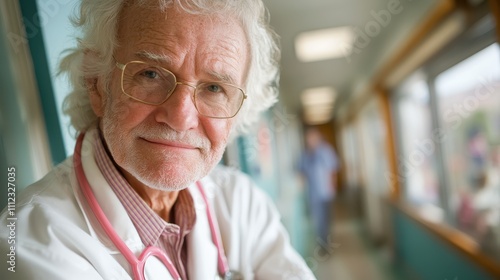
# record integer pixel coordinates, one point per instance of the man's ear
(94, 86)
(96, 96)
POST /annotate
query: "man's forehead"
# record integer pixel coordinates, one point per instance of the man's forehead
(167, 37)
(164, 59)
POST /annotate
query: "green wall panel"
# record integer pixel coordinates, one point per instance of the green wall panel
(429, 256)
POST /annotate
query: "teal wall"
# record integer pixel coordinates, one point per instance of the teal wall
(258, 158)
(34, 25)
(14, 149)
(428, 256)
(266, 154)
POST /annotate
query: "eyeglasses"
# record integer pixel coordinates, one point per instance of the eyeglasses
(153, 85)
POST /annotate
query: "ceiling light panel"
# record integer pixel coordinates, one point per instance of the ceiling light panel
(318, 96)
(324, 44)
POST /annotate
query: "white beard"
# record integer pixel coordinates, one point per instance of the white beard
(162, 172)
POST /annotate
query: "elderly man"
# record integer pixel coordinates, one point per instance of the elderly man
(159, 89)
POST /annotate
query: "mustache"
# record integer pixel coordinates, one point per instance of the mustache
(166, 133)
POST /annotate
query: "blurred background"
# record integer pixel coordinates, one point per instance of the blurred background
(405, 93)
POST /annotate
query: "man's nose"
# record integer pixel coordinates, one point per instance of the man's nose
(179, 110)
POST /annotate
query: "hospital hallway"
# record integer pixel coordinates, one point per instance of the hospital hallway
(405, 94)
(352, 256)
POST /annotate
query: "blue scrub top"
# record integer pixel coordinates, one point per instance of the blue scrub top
(317, 167)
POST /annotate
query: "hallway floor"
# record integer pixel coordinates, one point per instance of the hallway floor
(348, 256)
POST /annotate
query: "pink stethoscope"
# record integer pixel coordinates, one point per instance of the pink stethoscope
(138, 264)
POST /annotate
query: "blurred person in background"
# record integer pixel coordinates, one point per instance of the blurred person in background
(159, 88)
(318, 166)
(477, 152)
(486, 206)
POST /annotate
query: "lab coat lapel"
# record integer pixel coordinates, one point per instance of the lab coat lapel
(108, 201)
(115, 212)
(202, 252)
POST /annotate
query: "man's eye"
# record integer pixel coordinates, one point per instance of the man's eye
(151, 74)
(214, 88)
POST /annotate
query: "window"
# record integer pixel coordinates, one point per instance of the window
(468, 99)
(351, 156)
(448, 128)
(58, 36)
(417, 158)
(374, 167)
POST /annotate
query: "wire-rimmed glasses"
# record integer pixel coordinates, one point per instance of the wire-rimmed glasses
(153, 85)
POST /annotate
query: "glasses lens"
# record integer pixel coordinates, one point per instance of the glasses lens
(147, 83)
(218, 100)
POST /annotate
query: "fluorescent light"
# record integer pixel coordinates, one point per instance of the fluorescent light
(324, 44)
(318, 104)
(318, 96)
(317, 115)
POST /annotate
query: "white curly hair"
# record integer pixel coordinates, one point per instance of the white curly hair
(98, 22)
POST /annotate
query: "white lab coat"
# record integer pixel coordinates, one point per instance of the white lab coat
(58, 237)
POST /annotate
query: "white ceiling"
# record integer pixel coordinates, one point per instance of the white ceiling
(290, 17)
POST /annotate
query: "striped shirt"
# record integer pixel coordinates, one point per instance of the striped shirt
(153, 230)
